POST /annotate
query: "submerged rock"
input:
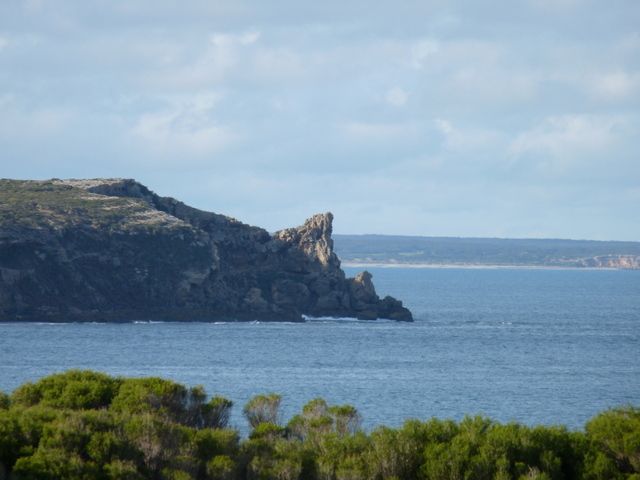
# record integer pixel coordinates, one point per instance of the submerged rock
(112, 250)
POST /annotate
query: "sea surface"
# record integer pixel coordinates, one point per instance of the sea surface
(530, 345)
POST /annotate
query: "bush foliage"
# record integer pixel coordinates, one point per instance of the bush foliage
(83, 425)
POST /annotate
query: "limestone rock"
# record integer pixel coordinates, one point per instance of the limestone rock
(112, 250)
(367, 305)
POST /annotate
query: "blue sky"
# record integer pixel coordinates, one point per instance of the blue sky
(469, 118)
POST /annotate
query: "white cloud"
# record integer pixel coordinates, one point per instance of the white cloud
(444, 126)
(6, 100)
(216, 61)
(556, 5)
(33, 6)
(367, 131)
(16, 121)
(443, 92)
(492, 84)
(278, 63)
(467, 139)
(223, 55)
(560, 142)
(630, 44)
(397, 97)
(196, 104)
(165, 133)
(186, 128)
(615, 85)
(476, 71)
(421, 51)
(226, 39)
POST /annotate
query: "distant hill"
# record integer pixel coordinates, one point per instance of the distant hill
(392, 249)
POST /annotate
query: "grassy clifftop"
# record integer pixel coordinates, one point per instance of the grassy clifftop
(57, 204)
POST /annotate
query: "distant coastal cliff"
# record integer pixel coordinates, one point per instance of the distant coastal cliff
(112, 250)
(495, 252)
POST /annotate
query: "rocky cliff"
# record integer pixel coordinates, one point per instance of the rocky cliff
(626, 262)
(112, 250)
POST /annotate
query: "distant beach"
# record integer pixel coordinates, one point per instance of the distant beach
(468, 266)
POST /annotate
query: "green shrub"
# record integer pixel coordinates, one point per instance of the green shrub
(75, 389)
(5, 401)
(221, 467)
(84, 425)
(614, 436)
(263, 409)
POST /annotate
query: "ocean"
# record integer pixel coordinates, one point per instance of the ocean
(527, 345)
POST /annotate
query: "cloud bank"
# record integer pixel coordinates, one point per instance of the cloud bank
(426, 118)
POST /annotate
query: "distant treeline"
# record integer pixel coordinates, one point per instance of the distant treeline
(486, 251)
(89, 426)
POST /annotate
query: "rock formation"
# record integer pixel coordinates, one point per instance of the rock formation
(112, 250)
(627, 262)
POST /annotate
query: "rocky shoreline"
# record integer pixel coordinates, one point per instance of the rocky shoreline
(112, 250)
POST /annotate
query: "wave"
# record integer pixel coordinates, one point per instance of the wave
(310, 319)
(47, 323)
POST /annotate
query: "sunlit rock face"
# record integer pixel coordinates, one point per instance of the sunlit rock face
(631, 262)
(112, 250)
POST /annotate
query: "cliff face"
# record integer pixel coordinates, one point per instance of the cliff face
(628, 262)
(112, 250)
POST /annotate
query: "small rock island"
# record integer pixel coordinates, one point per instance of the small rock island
(112, 250)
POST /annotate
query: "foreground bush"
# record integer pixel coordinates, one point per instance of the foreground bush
(83, 425)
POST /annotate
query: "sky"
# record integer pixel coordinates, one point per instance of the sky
(458, 118)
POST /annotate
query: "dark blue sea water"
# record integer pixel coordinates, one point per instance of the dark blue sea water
(536, 346)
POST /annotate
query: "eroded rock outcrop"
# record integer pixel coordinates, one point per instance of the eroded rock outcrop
(112, 250)
(629, 262)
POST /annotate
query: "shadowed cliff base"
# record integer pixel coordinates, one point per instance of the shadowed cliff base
(112, 250)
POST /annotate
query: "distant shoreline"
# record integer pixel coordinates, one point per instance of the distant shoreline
(486, 253)
(471, 266)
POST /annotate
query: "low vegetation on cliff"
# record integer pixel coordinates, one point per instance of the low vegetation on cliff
(83, 425)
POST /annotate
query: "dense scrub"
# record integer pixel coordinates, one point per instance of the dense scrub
(87, 425)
